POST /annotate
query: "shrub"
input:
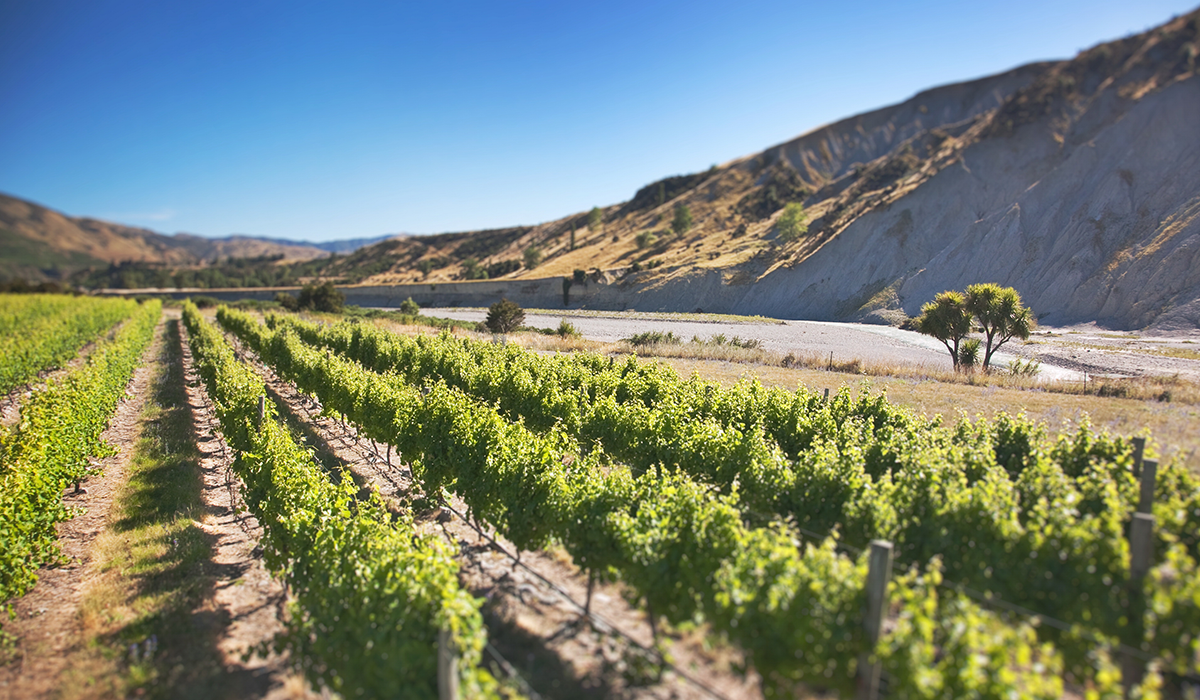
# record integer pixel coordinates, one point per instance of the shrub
(203, 302)
(682, 221)
(566, 329)
(968, 354)
(645, 239)
(505, 316)
(408, 307)
(1024, 368)
(654, 338)
(287, 301)
(533, 257)
(595, 219)
(324, 297)
(793, 222)
(472, 270)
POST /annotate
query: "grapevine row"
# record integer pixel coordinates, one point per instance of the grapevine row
(39, 332)
(1036, 523)
(370, 593)
(59, 430)
(681, 547)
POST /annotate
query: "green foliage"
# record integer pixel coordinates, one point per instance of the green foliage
(408, 307)
(792, 223)
(682, 223)
(41, 332)
(653, 338)
(566, 329)
(505, 316)
(720, 340)
(323, 297)
(579, 277)
(287, 301)
(1000, 314)
(675, 530)
(968, 354)
(370, 593)
(947, 319)
(595, 219)
(59, 431)
(472, 270)
(780, 184)
(645, 239)
(1024, 368)
(533, 257)
(1035, 521)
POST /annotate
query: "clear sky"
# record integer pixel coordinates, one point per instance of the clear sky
(348, 119)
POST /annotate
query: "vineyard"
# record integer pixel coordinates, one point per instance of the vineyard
(830, 544)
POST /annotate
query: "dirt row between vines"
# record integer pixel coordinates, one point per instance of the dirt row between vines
(242, 612)
(534, 608)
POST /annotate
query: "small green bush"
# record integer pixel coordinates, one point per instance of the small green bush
(654, 338)
(505, 316)
(408, 307)
(645, 239)
(324, 297)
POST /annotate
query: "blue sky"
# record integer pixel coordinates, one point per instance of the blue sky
(339, 120)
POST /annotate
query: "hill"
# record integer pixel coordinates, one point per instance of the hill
(1076, 182)
(40, 243)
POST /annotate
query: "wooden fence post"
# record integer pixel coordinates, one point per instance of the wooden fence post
(447, 667)
(1149, 473)
(1139, 451)
(1141, 550)
(262, 411)
(826, 394)
(878, 576)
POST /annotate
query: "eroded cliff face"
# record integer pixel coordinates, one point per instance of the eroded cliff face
(1095, 224)
(1077, 183)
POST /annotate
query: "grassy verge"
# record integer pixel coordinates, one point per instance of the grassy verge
(145, 630)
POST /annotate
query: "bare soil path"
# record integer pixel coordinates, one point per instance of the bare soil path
(70, 625)
(46, 621)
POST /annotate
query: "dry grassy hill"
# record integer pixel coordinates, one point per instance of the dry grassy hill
(40, 243)
(1077, 182)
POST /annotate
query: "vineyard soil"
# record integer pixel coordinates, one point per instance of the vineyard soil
(75, 626)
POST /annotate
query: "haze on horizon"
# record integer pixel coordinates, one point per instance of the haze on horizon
(323, 123)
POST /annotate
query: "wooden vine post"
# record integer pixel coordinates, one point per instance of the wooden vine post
(262, 411)
(447, 666)
(1141, 555)
(1139, 451)
(878, 576)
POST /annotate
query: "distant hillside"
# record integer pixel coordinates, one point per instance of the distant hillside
(40, 243)
(1077, 182)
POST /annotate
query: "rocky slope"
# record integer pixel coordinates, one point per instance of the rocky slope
(1076, 182)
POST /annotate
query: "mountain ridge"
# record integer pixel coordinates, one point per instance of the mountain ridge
(1077, 182)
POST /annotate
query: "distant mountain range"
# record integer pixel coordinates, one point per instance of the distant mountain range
(39, 243)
